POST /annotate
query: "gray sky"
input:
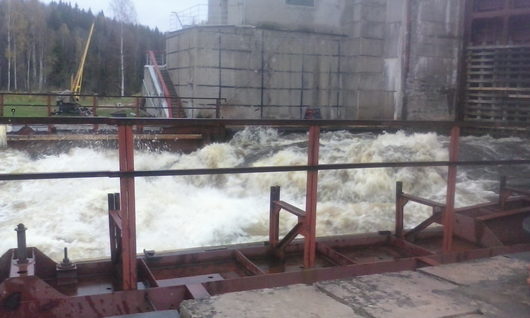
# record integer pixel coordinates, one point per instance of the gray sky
(154, 13)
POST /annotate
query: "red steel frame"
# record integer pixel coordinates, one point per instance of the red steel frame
(448, 217)
(127, 265)
(127, 208)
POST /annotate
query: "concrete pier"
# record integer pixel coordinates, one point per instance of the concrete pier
(493, 287)
(3, 136)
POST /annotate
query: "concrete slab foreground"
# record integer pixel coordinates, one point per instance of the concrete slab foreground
(499, 268)
(404, 294)
(297, 301)
(493, 287)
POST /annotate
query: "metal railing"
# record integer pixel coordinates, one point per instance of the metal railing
(122, 210)
(45, 104)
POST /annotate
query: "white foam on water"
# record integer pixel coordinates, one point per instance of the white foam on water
(191, 211)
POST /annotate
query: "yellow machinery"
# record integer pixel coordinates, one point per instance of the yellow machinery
(68, 102)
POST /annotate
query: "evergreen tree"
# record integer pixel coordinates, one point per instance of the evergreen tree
(41, 46)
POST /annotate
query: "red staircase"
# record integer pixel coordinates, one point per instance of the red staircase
(173, 100)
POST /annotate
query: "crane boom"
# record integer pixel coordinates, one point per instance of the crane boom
(77, 81)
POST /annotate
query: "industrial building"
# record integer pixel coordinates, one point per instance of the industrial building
(355, 59)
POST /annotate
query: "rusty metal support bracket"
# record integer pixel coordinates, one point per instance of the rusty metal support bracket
(435, 218)
(337, 258)
(247, 264)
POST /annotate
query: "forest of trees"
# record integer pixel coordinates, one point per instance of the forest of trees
(41, 46)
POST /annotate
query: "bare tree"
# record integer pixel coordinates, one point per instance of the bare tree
(8, 51)
(124, 12)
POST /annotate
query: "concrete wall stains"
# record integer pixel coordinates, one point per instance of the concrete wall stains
(356, 59)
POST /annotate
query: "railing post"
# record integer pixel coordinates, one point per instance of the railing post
(217, 108)
(127, 205)
(449, 217)
(49, 109)
(139, 128)
(399, 209)
(95, 110)
(1, 105)
(114, 232)
(274, 219)
(311, 198)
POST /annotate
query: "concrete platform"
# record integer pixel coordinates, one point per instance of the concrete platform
(494, 287)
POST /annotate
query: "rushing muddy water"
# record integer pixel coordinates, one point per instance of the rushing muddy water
(181, 212)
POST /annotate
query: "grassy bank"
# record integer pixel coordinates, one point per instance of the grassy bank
(37, 106)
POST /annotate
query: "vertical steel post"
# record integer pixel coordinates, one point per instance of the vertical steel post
(49, 109)
(274, 220)
(449, 217)
(22, 251)
(1, 105)
(139, 128)
(399, 209)
(127, 211)
(217, 108)
(311, 198)
(95, 110)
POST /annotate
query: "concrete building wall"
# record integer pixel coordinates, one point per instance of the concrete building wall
(261, 73)
(323, 16)
(436, 38)
(378, 59)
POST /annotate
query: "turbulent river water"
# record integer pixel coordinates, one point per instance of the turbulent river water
(182, 212)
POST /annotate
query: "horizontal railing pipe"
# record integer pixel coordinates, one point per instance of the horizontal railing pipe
(244, 170)
(380, 124)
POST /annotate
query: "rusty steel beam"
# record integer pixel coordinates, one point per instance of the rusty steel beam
(247, 264)
(311, 198)
(411, 234)
(423, 201)
(147, 273)
(448, 218)
(290, 208)
(274, 218)
(501, 214)
(337, 258)
(127, 208)
(400, 206)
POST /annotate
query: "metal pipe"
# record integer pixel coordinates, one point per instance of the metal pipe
(197, 172)
(22, 252)
(372, 124)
